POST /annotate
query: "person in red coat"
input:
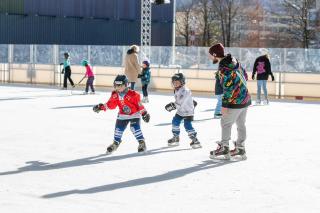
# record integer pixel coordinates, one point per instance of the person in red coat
(130, 110)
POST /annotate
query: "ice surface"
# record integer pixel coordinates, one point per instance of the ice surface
(52, 158)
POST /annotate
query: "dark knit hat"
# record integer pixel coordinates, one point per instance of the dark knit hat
(217, 50)
(146, 63)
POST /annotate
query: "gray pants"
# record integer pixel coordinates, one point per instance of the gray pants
(229, 117)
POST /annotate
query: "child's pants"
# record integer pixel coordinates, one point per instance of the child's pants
(90, 83)
(219, 105)
(229, 117)
(145, 90)
(176, 121)
(121, 125)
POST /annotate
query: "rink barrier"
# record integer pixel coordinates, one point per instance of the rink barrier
(285, 84)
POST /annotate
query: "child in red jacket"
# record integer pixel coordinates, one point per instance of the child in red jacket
(130, 110)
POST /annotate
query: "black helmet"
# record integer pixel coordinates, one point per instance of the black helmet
(120, 80)
(178, 77)
(66, 54)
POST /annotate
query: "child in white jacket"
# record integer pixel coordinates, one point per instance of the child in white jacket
(184, 104)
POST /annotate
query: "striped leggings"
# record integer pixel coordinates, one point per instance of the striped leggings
(121, 125)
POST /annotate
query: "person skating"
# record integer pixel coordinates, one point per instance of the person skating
(130, 111)
(67, 71)
(262, 67)
(89, 74)
(235, 102)
(145, 80)
(184, 105)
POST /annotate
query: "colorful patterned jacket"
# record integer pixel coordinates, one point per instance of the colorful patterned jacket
(234, 81)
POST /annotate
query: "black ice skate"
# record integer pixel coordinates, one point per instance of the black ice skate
(174, 141)
(113, 147)
(221, 153)
(195, 144)
(239, 152)
(142, 146)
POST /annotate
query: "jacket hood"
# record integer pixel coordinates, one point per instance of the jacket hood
(229, 63)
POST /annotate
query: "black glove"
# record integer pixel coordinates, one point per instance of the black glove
(99, 107)
(170, 106)
(252, 77)
(61, 63)
(139, 75)
(195, 103)
(272, 77)
(62, 71)
(146, 117)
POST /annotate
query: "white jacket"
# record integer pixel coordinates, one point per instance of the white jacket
(184, 102)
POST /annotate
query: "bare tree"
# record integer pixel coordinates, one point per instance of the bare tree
(254, 16)
(226, 11)
(205, 9)
(299, 25)
(183, 20)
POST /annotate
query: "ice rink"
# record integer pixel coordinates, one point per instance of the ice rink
(52, 158)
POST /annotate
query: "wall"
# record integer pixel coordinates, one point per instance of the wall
(286, 84)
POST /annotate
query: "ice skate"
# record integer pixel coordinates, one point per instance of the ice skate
(145, 100)
(217, 116)
(258, 102)
(221, 153)
(266, 102)
(142, 146)
(195, 144)
(239, 152)
(92, 93)
(174, 141)
(85, 93)
(113, 147)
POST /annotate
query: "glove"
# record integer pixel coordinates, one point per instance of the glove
(195, 103)
(139, 75)
(272, 77)
(145, 116)
(61, 63)
(170, 106)
(252, 77)
(62, 72)
(99, 107)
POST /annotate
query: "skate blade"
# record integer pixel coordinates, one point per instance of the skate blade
(238, 157)
(142, 152)
(220, 157)
(198, 146)
(173, 144)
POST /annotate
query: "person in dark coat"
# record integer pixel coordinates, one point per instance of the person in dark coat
(67, 71)
(262, 68)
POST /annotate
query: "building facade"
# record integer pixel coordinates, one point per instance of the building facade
(94, 22)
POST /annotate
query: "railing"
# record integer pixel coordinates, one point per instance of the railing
(282, 60)
(296, 69)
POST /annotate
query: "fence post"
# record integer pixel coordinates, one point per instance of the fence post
(10, 61)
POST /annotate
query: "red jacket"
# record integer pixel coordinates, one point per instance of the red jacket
(130, 104)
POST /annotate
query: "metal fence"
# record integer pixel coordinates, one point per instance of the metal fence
(282, 60)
